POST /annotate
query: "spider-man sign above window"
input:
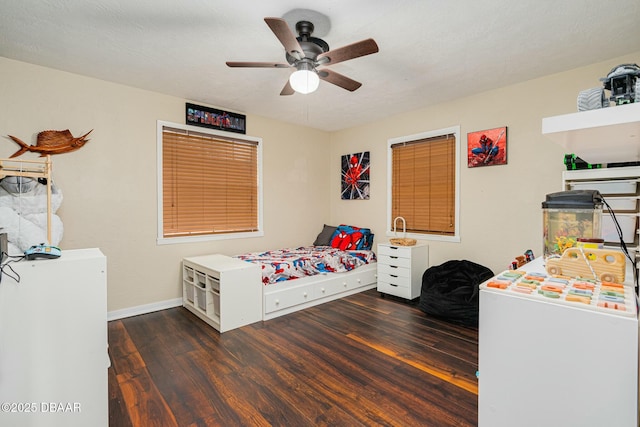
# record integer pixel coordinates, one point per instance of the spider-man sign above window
(355, 176)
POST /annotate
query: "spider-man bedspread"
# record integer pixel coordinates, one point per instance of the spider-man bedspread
(286, 264)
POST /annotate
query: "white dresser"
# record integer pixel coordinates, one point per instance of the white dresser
(400, 269)
(53, 342)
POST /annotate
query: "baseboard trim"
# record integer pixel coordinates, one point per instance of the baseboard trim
(143, 309)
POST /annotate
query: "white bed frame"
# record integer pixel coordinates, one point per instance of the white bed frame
(292, 295)
(227, 292)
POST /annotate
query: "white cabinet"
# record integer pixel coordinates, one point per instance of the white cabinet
(53, 342)
(400, 269)
(223, 291)
(607, 135)
(547, 362)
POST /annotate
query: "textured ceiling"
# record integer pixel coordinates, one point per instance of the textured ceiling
(430, 51)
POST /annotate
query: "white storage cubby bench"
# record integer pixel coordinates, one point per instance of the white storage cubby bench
(223, 291)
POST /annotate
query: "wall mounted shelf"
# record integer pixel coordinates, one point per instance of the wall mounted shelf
(607, 135)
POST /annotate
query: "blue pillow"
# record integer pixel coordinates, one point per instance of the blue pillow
(349, 238)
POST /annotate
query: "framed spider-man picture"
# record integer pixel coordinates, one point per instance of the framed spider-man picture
(355, 176)
(487, 147)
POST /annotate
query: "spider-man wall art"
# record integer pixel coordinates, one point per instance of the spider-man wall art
(487, 147)
(355, 176)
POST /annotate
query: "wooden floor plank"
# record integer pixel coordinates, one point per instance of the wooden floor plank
(432, 351)
(360, 369)
(302, 377)
(123, 353)
(144, 404)
(359, 361)
(136, 394)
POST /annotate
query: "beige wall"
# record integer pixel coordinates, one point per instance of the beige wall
(109, 186)
(110, 191)
(501, 214)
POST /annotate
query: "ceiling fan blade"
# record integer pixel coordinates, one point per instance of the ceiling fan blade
(354, 50)
(282, 31)
(257, 64)
(339, 80)
(287, 89)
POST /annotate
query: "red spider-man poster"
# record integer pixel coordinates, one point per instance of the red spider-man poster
(487, 147)
(355, 176)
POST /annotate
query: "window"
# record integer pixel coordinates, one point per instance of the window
(423, 182)
(208, 184)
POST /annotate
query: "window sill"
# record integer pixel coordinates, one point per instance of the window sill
(207, 238)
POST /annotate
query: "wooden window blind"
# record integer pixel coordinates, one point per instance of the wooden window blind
(209, 184)
(423, 184)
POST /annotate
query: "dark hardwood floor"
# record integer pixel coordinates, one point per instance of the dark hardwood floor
(359, 361)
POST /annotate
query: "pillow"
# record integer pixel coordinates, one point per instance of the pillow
(324, 238)
(368, 241)
(349, 238)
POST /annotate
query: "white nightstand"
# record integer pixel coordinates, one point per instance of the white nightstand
(400, 269)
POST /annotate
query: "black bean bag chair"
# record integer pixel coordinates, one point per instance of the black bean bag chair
(451, 291)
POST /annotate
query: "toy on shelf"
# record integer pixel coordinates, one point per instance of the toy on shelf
(573, 162)
(623, 84)
(522, 259)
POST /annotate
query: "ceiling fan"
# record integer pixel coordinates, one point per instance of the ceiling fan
(306, 54)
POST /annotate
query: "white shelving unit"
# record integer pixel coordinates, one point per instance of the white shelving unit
(400, 269)
(620, 187)
(607, 135)
(223, 291)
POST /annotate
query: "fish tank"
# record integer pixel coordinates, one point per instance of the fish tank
(569, 217)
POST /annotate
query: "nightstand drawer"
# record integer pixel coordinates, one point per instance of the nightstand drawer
(394, 260)
(393, 270)
(397, 251)
(393, 289)
(404, 282)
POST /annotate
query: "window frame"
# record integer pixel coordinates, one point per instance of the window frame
(453, 130)
(160, 239)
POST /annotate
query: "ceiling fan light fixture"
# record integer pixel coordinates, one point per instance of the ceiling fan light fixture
(306, 52)
(305, 79)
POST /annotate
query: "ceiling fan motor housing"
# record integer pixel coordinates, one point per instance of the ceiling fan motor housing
(304, 28)
(311, 46)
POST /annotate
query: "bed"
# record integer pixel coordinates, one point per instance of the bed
(340, 262)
